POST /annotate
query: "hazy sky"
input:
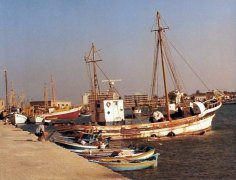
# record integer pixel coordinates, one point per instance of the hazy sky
(40, 38)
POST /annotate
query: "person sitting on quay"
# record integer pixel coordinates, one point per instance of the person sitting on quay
(40, 131)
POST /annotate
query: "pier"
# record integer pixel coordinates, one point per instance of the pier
(23, 157)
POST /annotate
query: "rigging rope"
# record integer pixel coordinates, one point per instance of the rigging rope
(89, 72)
(107, 78)
(188, 64)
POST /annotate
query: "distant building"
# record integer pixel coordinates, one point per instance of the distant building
(87, 98)
(58, 104)
(135, 100)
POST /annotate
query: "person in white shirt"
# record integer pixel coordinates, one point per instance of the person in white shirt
(40, 132)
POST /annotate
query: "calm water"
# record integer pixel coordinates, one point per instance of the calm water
(208, 156)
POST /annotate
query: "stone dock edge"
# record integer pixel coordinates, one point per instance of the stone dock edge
(23, 157)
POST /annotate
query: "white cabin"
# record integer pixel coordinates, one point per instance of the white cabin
(109, 112)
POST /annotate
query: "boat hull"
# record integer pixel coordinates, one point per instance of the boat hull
(16, 118)
(67, 114)
(74, 146)
(131, 165)
(196, 124)
(39, 119)
(134, 156)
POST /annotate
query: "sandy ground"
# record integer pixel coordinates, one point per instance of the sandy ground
(22, 157)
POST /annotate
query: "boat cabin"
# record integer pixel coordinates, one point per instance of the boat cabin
(108, 112)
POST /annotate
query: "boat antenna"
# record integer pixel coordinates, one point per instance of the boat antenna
(111, 83)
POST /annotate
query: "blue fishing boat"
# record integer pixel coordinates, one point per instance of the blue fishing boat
(127, 165)
(74, 146)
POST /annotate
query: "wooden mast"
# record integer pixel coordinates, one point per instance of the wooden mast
(12, 97)
(95, 88)
(53, 98)
(154, 76)
(45, 96)
(6, 88)
(95, 79)
(160, 30)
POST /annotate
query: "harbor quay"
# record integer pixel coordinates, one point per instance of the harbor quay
(22, 157)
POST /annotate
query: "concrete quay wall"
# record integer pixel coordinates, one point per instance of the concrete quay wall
(22, 157)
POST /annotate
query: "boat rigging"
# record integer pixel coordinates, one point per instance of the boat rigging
(179, 118)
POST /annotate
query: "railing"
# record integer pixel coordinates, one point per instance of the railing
(209, 104)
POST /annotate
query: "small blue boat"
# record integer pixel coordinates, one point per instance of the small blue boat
(81, 143)
(126, 165)
(74, 146)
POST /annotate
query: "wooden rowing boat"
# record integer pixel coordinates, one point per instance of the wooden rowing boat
(127, 165)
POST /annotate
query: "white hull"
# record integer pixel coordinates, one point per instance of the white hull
(197, 126)
(38, 119)
(184, 126)
(16, 118)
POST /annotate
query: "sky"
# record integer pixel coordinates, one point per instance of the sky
(50, 37)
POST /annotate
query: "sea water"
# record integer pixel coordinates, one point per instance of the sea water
(208, 156)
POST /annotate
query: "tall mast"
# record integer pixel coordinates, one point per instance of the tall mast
(12, 98)
(53, 95)
(94, 87)
(21, 100)
(45, 96)
(6, 86)
(154, 76)
(160, 30)
(95, 80)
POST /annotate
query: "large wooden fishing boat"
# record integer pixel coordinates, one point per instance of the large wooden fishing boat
(180, 117)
